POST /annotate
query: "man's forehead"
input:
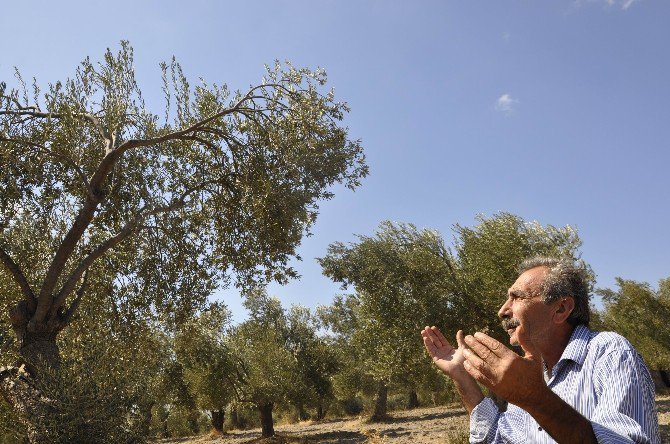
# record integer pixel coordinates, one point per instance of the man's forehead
(529, 280)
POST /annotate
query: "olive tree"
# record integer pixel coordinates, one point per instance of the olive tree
(640, 313)
(281, 359)
(202, 350)
(220, 186)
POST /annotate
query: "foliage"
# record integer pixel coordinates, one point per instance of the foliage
(209, 366)
(282, 358)
(89, 402)
(640, 314)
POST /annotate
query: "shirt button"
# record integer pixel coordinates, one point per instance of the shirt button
(539, 428)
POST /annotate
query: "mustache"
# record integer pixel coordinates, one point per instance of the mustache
(508, 323)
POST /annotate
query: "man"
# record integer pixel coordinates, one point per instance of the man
(571, 386)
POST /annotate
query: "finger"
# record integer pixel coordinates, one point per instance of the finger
(481, 350)
(529, 349)
(430, 347)
(436, 350)
(439, 334)
(459, 339)
(474, 360)
(424, 332)
(492, 344)
(432, 336)
(477, 374)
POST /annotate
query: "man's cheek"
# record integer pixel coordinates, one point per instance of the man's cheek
(513, 340)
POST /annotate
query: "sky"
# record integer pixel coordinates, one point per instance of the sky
(556, 111)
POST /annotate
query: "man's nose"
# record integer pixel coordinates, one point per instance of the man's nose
(506, 310)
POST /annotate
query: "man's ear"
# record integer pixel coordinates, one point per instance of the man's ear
(563, 308)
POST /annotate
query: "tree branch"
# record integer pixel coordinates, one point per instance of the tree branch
(63, 253)
(176, 135)
(19, 278)
(101, 249)
(45, 302)
(34, 113)
(67, 317)
(49, 152)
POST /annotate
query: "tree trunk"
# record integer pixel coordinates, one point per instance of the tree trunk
(218, 417)
(267, 423)
(302, 414)
(38, 353)
(320, 412)
(412, 400)
(234, 418)
(380, 403)
(37, 343)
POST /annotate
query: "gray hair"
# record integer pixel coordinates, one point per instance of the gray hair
(563, 278)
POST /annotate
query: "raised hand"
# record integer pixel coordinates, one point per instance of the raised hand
(517, 379)
(445, 356)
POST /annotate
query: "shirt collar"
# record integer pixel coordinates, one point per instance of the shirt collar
(577, 345)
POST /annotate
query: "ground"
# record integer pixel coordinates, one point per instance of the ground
(419, 426)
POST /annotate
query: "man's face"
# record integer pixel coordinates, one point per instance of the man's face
(524, 306)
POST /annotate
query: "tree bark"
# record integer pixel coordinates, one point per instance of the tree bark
(412, 400)
(37, 345)
(267, 423)
(38, 353)
(18, 389)
(381, 403)
(234, 418)
(320, 412)
(218, 417)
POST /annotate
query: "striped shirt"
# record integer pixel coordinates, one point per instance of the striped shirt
(602, 377)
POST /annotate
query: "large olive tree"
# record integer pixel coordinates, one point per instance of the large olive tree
(160, 208)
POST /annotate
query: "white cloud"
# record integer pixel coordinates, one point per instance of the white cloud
(623, 4)
(506, 103)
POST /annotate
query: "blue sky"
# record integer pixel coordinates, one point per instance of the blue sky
(556, 111)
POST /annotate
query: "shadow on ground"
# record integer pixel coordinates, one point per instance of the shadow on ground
(339, 437)
(425, 417)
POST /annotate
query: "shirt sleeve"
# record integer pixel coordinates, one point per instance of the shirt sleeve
(625, 411)
(483, 420)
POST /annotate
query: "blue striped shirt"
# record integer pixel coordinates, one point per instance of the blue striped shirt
(602, 377)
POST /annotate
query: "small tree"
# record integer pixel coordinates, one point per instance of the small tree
(203, 351)
(316, 361)
(163, 208)
(281, 359)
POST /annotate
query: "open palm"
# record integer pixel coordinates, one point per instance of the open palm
(445, 356)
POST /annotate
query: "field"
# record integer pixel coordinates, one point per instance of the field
(419, 426)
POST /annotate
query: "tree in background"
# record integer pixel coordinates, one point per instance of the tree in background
(406, 278)
(316, 360)
(209, 366)
(399, 276)
(161, 208)
(281, 359)
(486, 259)
(640, 314)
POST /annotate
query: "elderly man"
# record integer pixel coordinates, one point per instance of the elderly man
(571, 386)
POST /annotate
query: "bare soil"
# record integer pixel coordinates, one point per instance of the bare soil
(419, 426)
